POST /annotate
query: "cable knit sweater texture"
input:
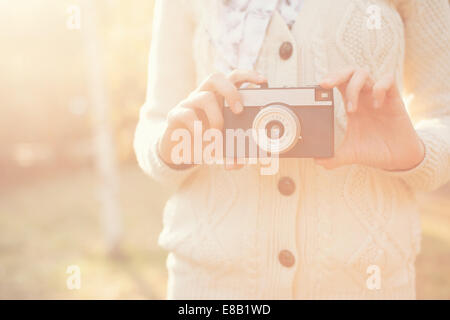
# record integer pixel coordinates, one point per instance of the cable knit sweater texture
(225, 229)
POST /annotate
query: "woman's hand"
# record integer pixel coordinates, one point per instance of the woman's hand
(205, 105)
(379, 131)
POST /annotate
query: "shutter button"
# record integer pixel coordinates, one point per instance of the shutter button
(286, 50)
(286, 258)
(286, 186)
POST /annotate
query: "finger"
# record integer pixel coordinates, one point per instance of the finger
(385, 87)
(183, 117)
(206, 102)
(338, 79)
(219, 84)
(368, 85)
(360, 79)
(239, 76)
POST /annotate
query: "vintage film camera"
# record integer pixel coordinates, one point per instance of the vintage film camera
(287, 122)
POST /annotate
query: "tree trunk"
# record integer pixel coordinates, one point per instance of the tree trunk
(104, 149)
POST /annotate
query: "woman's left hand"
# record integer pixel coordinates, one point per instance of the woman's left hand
(379, 131)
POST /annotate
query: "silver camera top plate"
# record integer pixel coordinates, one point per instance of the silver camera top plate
(299, 96)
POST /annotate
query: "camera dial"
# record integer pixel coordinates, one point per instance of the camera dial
(276, 129)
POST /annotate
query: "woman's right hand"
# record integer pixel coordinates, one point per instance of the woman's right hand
(205, 105)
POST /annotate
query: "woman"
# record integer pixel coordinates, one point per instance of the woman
(345, 227)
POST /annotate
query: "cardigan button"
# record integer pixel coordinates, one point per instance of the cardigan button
(286, 50)
(286, 258)
(286, 186)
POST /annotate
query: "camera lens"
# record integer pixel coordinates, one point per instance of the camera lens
(275, 129)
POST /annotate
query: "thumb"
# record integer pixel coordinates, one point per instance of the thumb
(385, 89)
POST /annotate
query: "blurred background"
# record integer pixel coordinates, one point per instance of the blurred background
(73, 77)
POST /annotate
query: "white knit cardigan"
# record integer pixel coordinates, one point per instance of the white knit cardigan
(225, 229)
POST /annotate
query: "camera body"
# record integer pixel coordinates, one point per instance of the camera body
(289, 122)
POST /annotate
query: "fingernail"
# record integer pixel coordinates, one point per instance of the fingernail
(238, 107)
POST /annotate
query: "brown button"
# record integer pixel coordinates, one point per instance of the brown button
(286, 258)
(286, 186)
(286, 50)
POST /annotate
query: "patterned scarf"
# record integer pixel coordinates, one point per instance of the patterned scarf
(238, 30)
